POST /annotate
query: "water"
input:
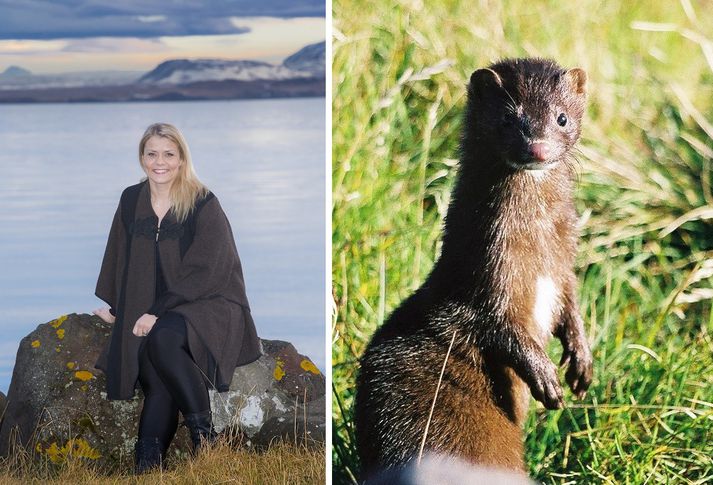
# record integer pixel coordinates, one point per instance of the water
(64, 167)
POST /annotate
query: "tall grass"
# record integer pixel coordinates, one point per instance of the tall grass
(281, 464)
(644, 194)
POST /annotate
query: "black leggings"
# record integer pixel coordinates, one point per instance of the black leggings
(170, 379)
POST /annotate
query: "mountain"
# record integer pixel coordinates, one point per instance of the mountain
(300, 75)
(308, 62)
(310, 59)
(185, 71)
(15, 71)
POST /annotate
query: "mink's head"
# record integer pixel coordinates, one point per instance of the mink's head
(527, 112)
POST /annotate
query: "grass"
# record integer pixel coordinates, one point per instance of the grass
(644, 193)
(283, 464)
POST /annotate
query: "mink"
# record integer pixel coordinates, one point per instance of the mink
(503, 285)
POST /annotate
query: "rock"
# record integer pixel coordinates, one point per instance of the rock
(3, 403)
(57, 406)
(281, 396)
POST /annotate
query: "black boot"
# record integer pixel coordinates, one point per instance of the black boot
(200, 425)
(148, 455)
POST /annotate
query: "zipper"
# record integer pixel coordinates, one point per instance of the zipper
(155, 266)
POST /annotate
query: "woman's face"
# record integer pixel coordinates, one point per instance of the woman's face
(161, 160)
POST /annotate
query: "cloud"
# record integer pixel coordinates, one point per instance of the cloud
(29, 47)
(113, 45)
(75, 19)
(151, 18)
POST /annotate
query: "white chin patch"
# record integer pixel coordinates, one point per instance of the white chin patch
(536, 169)
(545, 304)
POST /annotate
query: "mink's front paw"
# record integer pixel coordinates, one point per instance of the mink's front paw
(545, 387)
(579, 370)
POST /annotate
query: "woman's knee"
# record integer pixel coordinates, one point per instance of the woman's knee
(167, 336)
(160, 340)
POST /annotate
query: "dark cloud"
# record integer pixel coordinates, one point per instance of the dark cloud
(46, 19)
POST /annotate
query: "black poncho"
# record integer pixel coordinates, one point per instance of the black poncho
(204, 281)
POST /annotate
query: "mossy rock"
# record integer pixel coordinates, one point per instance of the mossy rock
(57, 406)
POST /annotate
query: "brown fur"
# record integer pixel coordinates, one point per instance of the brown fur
(507, 228)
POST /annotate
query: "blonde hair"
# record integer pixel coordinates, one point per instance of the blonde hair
(186, 188)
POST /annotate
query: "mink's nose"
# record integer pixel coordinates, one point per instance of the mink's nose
(540, 151)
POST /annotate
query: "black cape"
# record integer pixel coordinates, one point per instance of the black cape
(205, 285)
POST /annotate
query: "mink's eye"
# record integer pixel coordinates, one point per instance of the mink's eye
(562, 119)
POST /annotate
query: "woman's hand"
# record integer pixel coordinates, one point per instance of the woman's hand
(105, 314)
(144, 325)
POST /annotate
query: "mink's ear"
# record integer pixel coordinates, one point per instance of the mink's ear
(484, 80)
(577, 80)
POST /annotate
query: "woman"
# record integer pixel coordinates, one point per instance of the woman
(173, 280)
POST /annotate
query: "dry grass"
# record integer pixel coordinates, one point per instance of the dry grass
(282, 464)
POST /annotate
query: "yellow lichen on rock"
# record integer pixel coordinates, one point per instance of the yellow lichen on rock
(83, 375)
(70, 365)
(307, 365)
(82, 449)
(53, 453)
(279, 371)
(60, 333)
(35, 344)
(75, 447)
(58, 321)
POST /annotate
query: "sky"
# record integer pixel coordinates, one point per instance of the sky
(90, 35)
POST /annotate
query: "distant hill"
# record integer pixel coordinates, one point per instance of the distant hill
(310, 59)
(308, 62)
(184, 71)
(14, 72)
(301, 74)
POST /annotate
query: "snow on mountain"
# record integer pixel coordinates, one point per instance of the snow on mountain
(308, 62)
(308, 59)
(184, 71)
